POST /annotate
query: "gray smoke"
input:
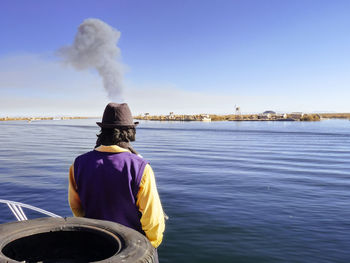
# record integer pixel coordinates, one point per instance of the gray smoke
(95, 46)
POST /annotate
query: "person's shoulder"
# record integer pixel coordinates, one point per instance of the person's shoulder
(135, 157)
(85, 155)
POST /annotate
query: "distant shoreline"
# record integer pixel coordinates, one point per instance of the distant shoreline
(246, 117)
(207, 117)
(29, 119)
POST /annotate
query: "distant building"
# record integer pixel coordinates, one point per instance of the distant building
(268, 114)
(171, 116)
(205, 117)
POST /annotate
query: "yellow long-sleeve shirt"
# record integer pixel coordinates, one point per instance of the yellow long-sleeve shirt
(148, 202)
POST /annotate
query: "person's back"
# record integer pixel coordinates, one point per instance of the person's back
(110, 181)
(113, 183)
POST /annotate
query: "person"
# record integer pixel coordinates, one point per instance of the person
(112, 182)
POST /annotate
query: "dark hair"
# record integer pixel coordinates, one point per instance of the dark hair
(115, 136)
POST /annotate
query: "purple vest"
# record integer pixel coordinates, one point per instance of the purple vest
(108, 184)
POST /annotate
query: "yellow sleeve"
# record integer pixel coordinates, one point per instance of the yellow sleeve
(148, 203)
(73, 197)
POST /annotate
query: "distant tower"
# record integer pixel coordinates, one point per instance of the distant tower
(237, 112)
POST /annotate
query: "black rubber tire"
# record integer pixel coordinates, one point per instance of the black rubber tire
(133, 246)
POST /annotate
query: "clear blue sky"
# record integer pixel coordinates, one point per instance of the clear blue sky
(196, 56)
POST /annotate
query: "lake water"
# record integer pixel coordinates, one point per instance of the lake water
(234, 191)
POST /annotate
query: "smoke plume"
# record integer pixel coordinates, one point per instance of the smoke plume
(95, 46)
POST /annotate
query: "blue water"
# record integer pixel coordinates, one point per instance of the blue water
(234, 191)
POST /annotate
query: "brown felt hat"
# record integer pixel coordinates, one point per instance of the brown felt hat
(117, 115)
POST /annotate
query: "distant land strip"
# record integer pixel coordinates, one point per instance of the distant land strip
(40, 118)
(209, 117)
(246, 117)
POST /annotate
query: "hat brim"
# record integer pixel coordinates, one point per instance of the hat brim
(111, 125)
